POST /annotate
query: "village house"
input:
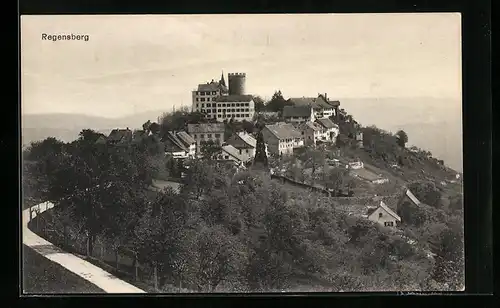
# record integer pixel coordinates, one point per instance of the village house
(206, 132)
(245, 144)
(330, 129)
(384, 215)
(179, 144)
(120, 137)
(298, 114)
(408, 196)
(322, 107)
(311, 132)
(281, 138)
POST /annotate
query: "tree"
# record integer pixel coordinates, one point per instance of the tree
(259, 103)
(260, 152)
(314, 159)
(210, 149)
(335, 179)
(277, 102)
(402, 138)
(221, 257)
(154, 128)
(427, 192)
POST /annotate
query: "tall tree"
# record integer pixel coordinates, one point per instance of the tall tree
(402, 138)
(260, 152)
(259, 103)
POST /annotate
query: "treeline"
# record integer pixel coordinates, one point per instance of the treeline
(228, 231)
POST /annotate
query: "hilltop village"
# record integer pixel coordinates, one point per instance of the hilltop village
(239, 194)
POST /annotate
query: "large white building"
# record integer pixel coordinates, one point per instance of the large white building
(217, 101)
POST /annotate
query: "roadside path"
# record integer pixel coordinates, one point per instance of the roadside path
(82, 268)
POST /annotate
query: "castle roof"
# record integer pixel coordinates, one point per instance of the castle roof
(209, 87)
(235, 98)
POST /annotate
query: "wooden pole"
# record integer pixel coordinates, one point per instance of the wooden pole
(136, 268)
(156, 276)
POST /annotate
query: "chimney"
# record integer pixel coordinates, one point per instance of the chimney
(326, 97)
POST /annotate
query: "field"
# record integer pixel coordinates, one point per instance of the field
(42, 276)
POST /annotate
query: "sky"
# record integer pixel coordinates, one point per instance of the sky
(153, 62)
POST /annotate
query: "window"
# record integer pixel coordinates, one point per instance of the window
(217, 136)
(202, 136)
(237, 115)
(209, 135)
(226, 157)
(218, 105)
(197, 99)
(213, 92)
(237, 104)
(202, 99)
(202, 105)
(246, 151)
(197, 105)
(380, 215)
(194, 135)
(238, 110)
(389, 223)
(218, 115)
(240, 151)
(246, 109)
(223, 105)
(232, 105)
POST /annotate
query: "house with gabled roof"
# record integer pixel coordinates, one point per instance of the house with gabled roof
(178, 145)
(330, 129)
(322, 106)
(246, 145)
(311, 132)
(298, 114)
(384, 215)
(205, 132)
(281, 138)
(120, 136)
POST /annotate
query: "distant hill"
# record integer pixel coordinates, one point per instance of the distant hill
(66, 127)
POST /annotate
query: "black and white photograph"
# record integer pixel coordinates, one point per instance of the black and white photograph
(242, 153)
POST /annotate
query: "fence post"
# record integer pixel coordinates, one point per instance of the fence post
(136, 267)
(102, 251)
(31, 213)
(155, 276)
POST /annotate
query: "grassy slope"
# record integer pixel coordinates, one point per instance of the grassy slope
(41, 275)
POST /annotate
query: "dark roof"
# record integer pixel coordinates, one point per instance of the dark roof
(139, 135)
(326, 123)
(172, 143)
(296, 111)
(206, 128)
(185, 138)
(120, 135)
(208, 87)
(312, 125)
(235, 98)
(316, 102)
(334, 103)
(284, 131)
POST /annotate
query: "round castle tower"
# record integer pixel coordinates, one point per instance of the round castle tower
(236, 83)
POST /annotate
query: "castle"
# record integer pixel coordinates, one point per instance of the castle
(217, 101)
